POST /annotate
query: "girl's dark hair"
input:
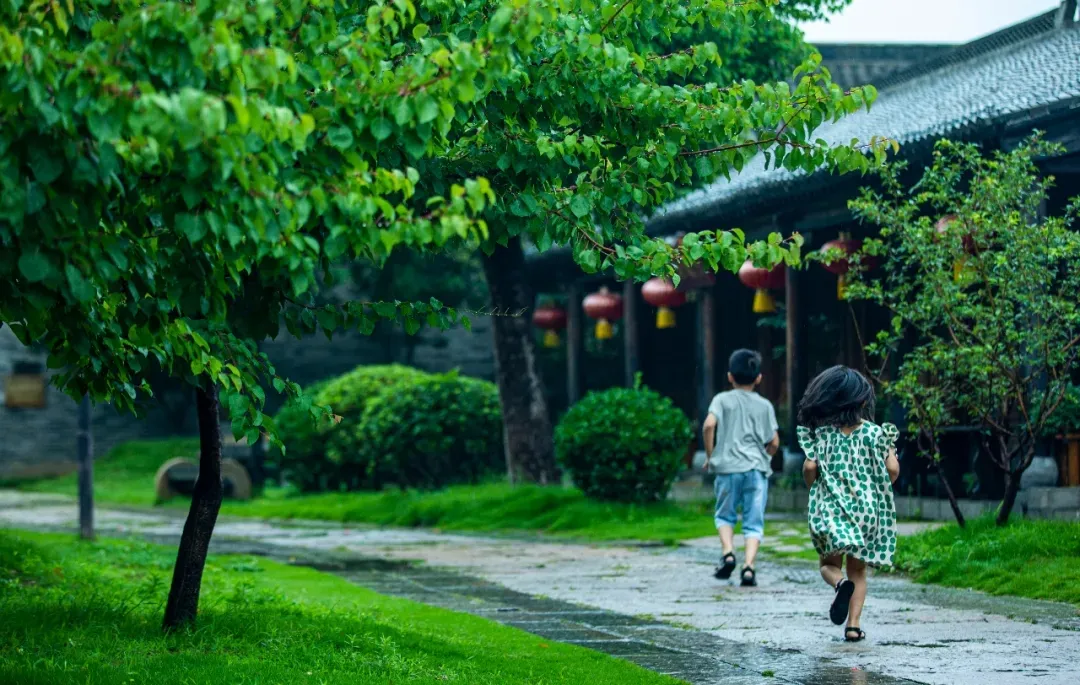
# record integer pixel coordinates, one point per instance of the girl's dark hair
(839, 397)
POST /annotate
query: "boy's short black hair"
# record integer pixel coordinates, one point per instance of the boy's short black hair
(744, 366)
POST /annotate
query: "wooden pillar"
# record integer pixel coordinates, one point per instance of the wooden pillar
(631, 331)
(575, 344)
(707, 346)
(796, 352)
(769, 381)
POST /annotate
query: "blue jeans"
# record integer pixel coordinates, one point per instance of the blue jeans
(750, 489)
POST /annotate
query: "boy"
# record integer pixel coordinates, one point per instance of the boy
(740, 439)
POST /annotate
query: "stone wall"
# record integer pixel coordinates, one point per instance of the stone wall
(41, 442)
(315, 358)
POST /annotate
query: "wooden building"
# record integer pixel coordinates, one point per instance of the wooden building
(994, 91)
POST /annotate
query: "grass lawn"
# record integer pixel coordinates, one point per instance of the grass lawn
(1027, 558)
(491, 508)
(90, 613)
(125, 477)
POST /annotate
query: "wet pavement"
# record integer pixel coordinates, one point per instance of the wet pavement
(657, 606)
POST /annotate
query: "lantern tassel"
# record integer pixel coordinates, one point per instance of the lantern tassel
(665, 318)
(551, 338)
(603, 330)
(763, 302)
(841, 286)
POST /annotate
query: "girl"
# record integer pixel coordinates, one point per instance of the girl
(850, 468)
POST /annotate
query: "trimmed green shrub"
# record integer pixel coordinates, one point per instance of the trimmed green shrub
(623, 444)
(398, 426)
(327, 456)
(435, 431)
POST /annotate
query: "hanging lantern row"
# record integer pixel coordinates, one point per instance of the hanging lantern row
(762, 281)
(661, 293)
(551, 319)
(606, 307)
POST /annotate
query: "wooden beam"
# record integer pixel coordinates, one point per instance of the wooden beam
(575, 343)
(631, 331)
(796, 352)
(707, 336)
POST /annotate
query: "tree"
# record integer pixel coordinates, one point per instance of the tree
(601, 124)
(982, 286)
(177, 178)
(768, 48)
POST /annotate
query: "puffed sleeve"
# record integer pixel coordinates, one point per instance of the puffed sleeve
(887, 440)
(807, 442)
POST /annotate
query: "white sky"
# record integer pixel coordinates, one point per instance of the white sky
(922, 21)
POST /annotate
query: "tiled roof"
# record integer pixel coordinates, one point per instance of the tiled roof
(853, 64)
(1028, 66)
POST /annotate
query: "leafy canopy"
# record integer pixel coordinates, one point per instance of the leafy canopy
(176, 178)
(600, 125)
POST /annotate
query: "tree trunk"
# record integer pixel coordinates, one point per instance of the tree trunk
(951, 495)
(530, 452)
(1012, 487)
(183, 601)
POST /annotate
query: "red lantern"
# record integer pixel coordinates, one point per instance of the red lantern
(967, 239)
(661, 293)
(840, 267)
(762, 281)
(551, 320)
(960, 268)
(604, 306)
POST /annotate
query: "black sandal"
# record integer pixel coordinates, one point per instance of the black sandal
(839, 610)
(727, 565)
(859, 634)
(749, 577)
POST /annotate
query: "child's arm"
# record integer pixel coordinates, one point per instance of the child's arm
(809, 471)
(708, 436)
(773, 445)
(892, 464)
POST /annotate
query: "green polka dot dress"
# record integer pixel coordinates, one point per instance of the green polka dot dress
(852, 510)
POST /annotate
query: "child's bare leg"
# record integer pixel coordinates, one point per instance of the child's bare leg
(831, 570)
(752, 545)
(856, 573)
(727, 538)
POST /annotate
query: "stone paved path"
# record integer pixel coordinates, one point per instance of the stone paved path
(659, 607)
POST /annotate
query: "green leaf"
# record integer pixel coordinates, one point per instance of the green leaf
(382, 128)
(703, 166)
(427, 109)
(419, 31)
(46, 166)
(192, 226)
(580, 206)
(80, 288)
(35, 266)
(340, 137)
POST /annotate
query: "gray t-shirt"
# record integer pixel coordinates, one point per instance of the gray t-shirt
(745, 423)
